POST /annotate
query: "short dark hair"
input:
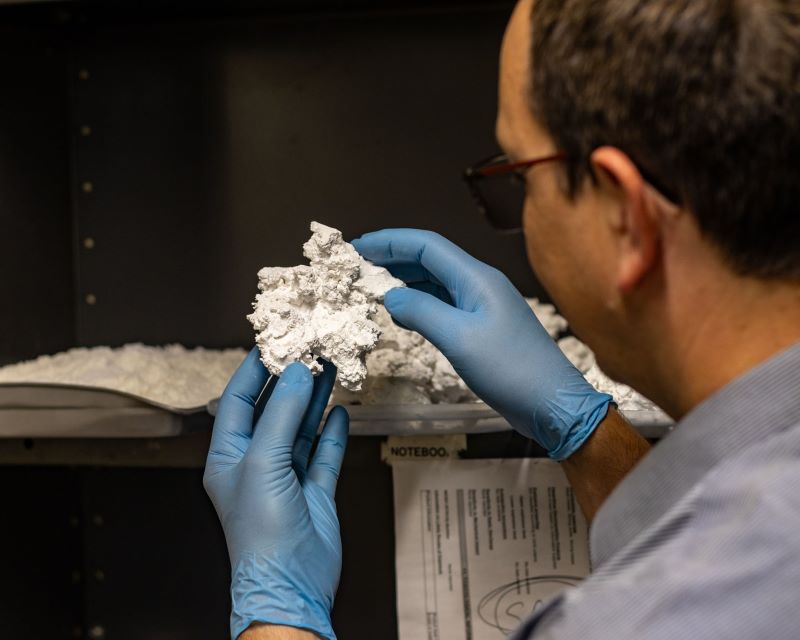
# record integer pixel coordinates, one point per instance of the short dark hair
(703, 95)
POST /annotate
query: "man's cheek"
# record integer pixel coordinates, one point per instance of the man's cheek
(539, 259)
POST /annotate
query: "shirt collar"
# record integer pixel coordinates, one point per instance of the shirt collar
(763, 401)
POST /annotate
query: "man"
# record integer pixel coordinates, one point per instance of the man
(659, 143)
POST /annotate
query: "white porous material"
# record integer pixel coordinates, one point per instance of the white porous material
(577, 353)
(627, 399)
(404, 368)
(583, 358)
(323, 309)
(554, 323)
(172, 375)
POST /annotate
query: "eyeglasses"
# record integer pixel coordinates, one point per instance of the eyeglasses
(498, 188)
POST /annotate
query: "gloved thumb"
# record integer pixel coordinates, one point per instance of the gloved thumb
(423, 313)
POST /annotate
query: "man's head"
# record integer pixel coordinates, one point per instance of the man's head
(680, 120)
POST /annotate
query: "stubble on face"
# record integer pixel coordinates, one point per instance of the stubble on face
(522, 138)
(563, 236)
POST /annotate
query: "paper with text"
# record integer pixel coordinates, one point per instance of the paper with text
(480, 544)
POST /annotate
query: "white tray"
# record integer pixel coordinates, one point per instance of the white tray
(69, 411)
(472, 417)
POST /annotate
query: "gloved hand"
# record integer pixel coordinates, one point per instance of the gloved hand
(473, 314)
(276, 507)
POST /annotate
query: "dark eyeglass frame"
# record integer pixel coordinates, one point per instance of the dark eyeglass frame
(498, 165)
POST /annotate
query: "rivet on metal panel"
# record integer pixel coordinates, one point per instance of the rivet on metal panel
(87, 186)
(83, 74)
(88, 243)
(97, 520)
(99, 575)
(91, 299)
(97, 632)
(86, 130)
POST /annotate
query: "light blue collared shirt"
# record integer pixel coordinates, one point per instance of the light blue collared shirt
(702, 538)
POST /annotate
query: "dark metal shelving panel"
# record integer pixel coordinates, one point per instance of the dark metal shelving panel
(172, 151)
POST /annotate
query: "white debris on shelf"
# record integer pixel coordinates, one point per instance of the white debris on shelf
(321, 310)
(404, 368)
(554, 323)
(626, 398)
(172, 375)
(583, 358)
(577, 353)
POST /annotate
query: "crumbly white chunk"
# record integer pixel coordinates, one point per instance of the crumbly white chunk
(323, 309)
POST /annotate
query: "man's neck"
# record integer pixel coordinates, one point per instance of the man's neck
(722, 329)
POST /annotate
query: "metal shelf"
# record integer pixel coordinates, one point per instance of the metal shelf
(62, 411)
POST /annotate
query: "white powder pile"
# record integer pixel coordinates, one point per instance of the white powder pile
(330, 309)
(554, 323)
(323, 309)
(626, 398)
(172, 375)
(583, 358)
(404, 368)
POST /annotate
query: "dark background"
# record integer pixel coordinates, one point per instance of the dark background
(210, 141)
(153, 156)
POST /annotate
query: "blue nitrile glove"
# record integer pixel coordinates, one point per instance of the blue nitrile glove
(275, 506)
(473, 314)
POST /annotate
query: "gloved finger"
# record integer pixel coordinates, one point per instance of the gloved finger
(449, 264)
(327, 463)
(264, 398)
(276, 429)
(400, 324)
(323, 385)
(412, 272)
(433, 289)
(234, 422)
(423, 313)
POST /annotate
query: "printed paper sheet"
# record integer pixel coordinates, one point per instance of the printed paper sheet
(480, 544)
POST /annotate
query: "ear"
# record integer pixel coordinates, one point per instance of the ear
(631, 216)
